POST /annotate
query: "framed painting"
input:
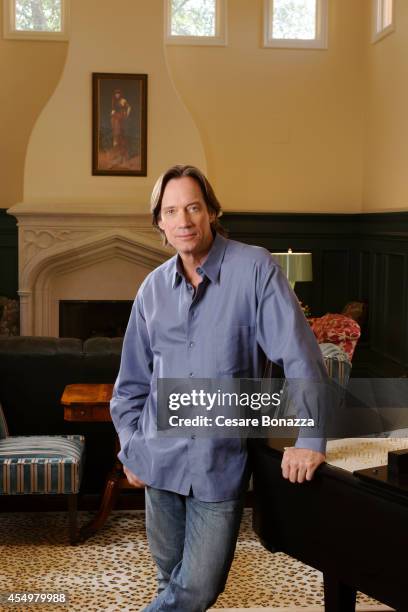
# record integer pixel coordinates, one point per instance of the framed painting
(119, 124)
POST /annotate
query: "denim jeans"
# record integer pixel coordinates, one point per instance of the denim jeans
(193, 544)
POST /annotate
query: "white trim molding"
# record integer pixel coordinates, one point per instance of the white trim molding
(319, 42)
(220, 38)
(383, 19)
(10, 30)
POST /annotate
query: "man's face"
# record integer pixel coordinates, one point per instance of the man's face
(184, 216)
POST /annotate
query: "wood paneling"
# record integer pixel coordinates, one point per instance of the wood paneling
(355, 257)
(8, 255)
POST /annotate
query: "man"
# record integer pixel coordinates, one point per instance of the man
(218, 308)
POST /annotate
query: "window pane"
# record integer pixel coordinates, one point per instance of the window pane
(38, 15)
(294, 19)
(193, 17)
(379, 17)
(387, 14)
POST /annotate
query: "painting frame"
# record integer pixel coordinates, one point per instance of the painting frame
(119, 124)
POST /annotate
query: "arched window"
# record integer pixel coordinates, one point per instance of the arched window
(36, 19)
(295, 24)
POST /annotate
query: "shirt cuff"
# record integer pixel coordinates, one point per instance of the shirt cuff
(124, 435)
(316, 444)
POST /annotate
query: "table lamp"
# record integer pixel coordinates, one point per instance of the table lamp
(296, 266)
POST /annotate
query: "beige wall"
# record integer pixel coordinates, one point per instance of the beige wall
(29, 73)
(282, 129)
(313, 130)
(386, 130)
(105, 38)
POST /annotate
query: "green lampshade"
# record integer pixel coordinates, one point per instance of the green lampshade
(297, 266)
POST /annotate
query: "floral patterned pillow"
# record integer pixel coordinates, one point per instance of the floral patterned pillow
(337, 329)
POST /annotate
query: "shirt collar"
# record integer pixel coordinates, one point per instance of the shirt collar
(211, 266)
(177, 271)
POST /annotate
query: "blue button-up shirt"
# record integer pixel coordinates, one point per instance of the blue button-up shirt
(242, 312)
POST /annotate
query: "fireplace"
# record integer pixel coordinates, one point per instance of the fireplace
(75, 264)
(90, 318)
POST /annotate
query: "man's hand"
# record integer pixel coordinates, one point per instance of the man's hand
(300, 463)
(133, 479)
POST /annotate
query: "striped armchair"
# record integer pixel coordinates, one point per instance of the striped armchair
(42, 465)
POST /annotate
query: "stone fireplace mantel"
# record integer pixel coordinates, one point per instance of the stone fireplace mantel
(80, 253)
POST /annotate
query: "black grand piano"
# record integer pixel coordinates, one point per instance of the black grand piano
(352, 526)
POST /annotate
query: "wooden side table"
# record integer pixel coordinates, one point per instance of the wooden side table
(90, 403)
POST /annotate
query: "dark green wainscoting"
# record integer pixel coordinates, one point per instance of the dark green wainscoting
(360, 257)
(8, 255)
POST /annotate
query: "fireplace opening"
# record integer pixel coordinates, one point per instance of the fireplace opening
(90, 318)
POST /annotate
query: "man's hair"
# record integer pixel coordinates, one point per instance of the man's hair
(209, 196)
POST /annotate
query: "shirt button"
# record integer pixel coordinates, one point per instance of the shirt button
(191, 344)
(191, 374)
(199, 270)
(189, 287)
(193, 437)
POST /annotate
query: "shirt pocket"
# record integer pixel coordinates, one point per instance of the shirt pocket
(233, 348)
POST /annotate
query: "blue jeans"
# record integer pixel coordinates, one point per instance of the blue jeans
(193, 544)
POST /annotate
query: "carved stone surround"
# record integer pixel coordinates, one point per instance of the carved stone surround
(80, 253)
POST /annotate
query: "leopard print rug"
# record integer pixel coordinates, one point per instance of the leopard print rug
(113, 570)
